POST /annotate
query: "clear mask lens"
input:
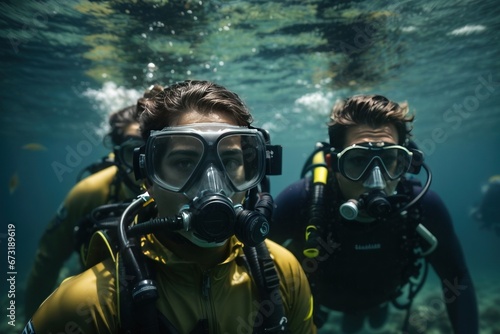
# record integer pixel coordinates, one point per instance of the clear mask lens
(180, 156)
(174, 160)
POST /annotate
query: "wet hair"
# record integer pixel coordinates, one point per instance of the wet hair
(372, 110)
(161, 107)
(119, 121)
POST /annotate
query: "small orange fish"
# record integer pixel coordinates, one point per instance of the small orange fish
(13, 183)
(34, 147)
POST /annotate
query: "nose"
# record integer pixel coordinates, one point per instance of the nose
(213, 180)
(375, 179)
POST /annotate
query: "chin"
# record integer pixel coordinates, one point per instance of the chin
(190, 237)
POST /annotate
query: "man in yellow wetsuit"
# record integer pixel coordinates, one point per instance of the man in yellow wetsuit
(203, 264)
(110, 185)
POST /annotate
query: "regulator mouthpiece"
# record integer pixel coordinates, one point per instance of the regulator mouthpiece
(211, 219)
(374, 203)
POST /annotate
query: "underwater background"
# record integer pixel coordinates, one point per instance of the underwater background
(65, 65)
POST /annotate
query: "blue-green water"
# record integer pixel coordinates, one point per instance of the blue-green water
(64, 65)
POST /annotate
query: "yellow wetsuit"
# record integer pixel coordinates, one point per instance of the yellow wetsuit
(225, 295)
(57, 244)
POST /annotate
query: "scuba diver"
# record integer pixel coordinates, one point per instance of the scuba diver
(111, 181)
(487, 212)
(190, 255)
(364, 228)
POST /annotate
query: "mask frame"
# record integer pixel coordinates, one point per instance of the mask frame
(414, 164)
(270, 164)
(120, 151)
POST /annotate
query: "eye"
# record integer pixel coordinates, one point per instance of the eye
(182, 161)
(357, 159)
(389, 158)
(183, 164)
(232, 162)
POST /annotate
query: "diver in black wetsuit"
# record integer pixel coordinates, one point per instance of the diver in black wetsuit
(487, 212)
(364, 229)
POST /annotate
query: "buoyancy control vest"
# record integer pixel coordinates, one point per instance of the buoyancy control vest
(137, 293)
(332, 243)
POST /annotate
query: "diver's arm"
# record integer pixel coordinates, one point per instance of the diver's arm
(57, 242)
(54, 249)
(449, 263)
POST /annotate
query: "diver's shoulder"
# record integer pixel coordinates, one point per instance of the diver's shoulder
(280, 253)
(297, 188)
(93, 190)
(102, 273)
(96, 283)
(97, 181)
(92, 292)
(431, 197)
(105, 175)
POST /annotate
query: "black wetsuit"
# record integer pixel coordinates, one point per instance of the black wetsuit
(362, 265)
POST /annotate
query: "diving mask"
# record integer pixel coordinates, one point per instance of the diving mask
(177, 158)
(357, 161)
(124, 152)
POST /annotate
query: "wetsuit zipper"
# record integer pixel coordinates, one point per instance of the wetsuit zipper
(207, 296)
(206, 285)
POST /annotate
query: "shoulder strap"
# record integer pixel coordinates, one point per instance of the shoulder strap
(265, 276)
(95, 234)
(263, 271)
(141, 317)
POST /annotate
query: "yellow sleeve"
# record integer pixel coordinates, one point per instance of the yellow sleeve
(57, 243)
(295, 289)
(85, 303)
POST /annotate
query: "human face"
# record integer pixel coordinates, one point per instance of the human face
(366, 134)
(169, 202)
(132, 130)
